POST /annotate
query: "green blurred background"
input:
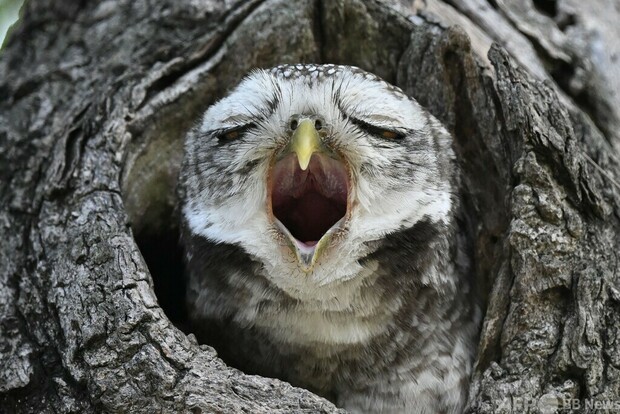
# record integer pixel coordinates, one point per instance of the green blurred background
(9, 11)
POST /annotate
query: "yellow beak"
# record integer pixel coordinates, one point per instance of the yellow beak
(305, 142)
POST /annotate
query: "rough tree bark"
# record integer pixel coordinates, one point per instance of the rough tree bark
(96, 97)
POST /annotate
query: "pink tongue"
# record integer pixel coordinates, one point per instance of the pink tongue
(309, 202)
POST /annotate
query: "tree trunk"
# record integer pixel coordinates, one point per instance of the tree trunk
(97, 96)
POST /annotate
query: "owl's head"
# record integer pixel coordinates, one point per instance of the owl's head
(307, 168)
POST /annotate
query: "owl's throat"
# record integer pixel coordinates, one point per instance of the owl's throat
(309, 203)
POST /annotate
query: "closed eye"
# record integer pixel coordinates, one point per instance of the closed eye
(377, 131)
(233, 133)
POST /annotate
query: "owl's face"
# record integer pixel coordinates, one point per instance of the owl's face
(307, 168)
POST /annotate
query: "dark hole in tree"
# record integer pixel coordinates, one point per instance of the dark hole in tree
(164, 257)
(149, 193)
(566, 20)
(548, 7)
(150, 196)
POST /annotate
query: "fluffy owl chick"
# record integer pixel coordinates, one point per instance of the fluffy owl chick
(319, 206)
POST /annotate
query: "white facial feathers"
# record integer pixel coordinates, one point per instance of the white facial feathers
(396, 179)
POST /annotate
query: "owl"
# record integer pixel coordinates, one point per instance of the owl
(324, 242)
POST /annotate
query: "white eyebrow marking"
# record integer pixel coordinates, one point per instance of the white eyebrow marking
(234, 119)
(382, 118)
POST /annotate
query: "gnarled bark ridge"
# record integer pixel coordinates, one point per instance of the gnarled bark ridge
(97, 96)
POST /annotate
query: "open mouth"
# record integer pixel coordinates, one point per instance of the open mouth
(309, 203)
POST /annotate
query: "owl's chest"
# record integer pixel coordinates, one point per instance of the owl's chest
(325, 326)
(305, 327)
(314, 348)
(343, 332)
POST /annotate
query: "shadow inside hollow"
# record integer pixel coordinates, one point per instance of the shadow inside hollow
(164, 258)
